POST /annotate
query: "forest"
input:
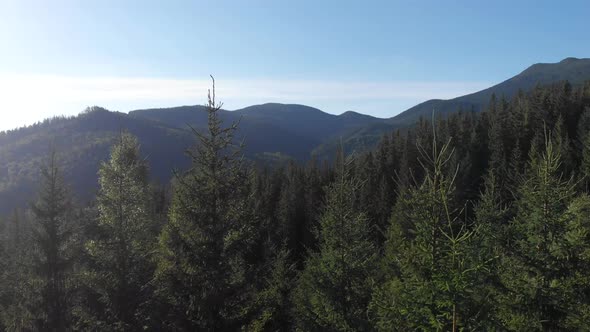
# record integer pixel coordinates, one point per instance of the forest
(468, 222)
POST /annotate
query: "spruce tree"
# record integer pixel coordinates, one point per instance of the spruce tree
(120, 253)
(272, 304)
(292, 213)
(429, 267)
(585, 163)
(204, 273)
(334, 288)
(18, 296)
(492, 214)
(545, 266)
(52, 235)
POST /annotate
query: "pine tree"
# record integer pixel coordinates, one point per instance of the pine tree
(120, 254)
(334, 288)
(52, 237)
(203, 269)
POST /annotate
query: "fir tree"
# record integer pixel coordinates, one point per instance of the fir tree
(272, 304)
(492, 215)
(545, 264)
(120, 254)
(203, 269)
(52, 236)
(334, 288)
(585, 163)
(292, 214)
(18, 297)
(430, 267)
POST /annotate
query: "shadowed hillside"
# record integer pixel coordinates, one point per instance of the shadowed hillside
(273, 133)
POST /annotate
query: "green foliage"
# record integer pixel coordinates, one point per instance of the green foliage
(18, 296)
(272, 303)
(334, 288)
(449, 229)
(544, 263)
(120, 267)
(54, 248)
(430, 259)
(585, 164)
(203, 270)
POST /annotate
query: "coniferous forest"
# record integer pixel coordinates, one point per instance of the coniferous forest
(472, 221)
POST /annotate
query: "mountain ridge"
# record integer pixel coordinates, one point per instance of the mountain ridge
(574, 70)
(273, 132)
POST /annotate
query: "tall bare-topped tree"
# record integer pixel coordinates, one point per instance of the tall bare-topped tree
(203, 271)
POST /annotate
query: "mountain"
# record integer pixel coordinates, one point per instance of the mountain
(272, 133)
(293, 130)
(574, 70)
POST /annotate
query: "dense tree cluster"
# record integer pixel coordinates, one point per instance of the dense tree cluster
(476, 221)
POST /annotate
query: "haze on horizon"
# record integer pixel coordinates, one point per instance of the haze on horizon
(379, 58)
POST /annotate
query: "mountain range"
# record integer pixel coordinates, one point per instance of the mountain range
(272, 133)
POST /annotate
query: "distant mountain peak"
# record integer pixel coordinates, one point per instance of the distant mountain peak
(572, 59)
(575, 70)
(352, 115)
(556, 66)
(349, 113)
(279, 107)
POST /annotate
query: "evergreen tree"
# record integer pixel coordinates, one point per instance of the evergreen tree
(203, 269)
(430, 267)
(120, 254)
(585, 163)
(492, 214)
(272, 303)
(18, 297)
(292, 214)
(545, 266)
(334, 288)
(52, 237)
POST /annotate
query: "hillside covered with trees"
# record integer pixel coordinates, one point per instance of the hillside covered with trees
(274, 134)
(472, 221)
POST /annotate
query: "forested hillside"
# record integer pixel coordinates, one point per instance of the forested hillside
(471, 221)
(82, 142)
(273, 133)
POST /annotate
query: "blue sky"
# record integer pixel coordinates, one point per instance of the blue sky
(374, 57)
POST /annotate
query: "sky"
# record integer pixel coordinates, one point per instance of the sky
(374, 57)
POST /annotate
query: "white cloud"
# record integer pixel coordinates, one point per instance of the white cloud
(28, 98)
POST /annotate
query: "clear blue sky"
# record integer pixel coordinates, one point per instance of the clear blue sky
(373, 57)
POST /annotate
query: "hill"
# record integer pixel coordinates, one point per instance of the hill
(289, 129)
(81, 142)
(574, 70)
(273, 132)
